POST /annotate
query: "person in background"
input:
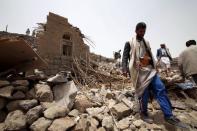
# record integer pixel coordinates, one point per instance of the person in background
(144, 76)
(117, 57)
(187, 61)
(164, 57)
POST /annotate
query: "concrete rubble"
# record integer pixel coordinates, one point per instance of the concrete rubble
(58, 104)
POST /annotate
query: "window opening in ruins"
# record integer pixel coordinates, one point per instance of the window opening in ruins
(67, 50)
(67, 45)
(66, 37)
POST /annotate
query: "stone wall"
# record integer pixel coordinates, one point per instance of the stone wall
(58, 32)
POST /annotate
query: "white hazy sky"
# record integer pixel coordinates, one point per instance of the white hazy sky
(110, 23)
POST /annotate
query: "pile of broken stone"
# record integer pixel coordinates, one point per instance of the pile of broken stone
(36, 105)
(174, 76)
(58, 105)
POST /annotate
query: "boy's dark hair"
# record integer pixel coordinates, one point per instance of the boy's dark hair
(140, 25)
(190, 42)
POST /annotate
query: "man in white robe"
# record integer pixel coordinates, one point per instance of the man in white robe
(143, 73)
(164, 57)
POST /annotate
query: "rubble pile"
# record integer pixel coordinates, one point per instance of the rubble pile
(31, 40)
(117, 110)
(57, 105)
(173, 77)
(100, 58)
(86, 75)
(110, 68)
(32, 104)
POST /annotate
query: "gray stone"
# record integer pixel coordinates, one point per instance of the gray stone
(178, 105)
(15, 120)
(3, 115)
(94, 90)
(115, 128)
(129, 93)
(46, 105)
(4, 83)
(111, 103)
(143, 129)
(154, 127)
(43, 93)
(20, 83)
(41, 124)
(81, 125)
(58, 78)
(2, 103)
(120, 110)
(193, 118)
(99, 117)
(120, 97)
(155, 105)
(124, 123)
(109, 95)
(91, 128)
(33, 114)
(132, 127)
(21, 88)
(101, 129)
(73, 113)
(18, 95)
(128, 129)
(81, 103)
(92, 122)
(107, 123)
(192, 105)
(28, 104)
(13, 105)
(128, 103)
(138, 123)
(62, 124)
(64, 94)
(103, 91)
(97, 110)
(2, 126)
(55, 111)
(21, 104)
(31, 94)
(6, 91)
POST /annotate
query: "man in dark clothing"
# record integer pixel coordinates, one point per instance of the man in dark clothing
(117, 55)
(126, 59)
(164, 58)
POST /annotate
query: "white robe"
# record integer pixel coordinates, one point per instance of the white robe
(141, 78)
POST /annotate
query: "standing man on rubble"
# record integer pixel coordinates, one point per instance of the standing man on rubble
(164, 57)
(144, 76)
(117, 57)
(187, 61)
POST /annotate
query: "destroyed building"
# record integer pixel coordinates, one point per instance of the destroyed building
(59, 43)
(105, 102)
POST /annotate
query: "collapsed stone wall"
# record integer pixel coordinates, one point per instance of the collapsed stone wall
(51, 42)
